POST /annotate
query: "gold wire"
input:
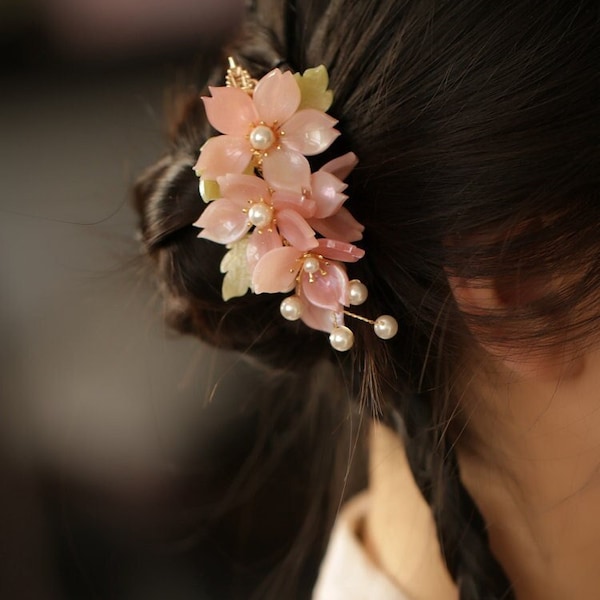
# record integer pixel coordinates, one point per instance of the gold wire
(354, 316)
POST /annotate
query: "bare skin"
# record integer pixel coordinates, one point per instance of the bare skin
(399, 532)
(531, 463)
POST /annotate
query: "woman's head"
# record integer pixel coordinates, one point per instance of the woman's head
(476, 127)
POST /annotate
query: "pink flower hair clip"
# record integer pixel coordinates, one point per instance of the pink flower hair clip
(285, 227)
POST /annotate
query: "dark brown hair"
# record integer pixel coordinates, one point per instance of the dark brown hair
(476, 124)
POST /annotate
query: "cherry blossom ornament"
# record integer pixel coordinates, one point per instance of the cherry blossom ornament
(285, 228)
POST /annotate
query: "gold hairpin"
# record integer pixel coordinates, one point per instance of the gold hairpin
(238, 77)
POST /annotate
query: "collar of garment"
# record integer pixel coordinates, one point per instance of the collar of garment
(347, 571)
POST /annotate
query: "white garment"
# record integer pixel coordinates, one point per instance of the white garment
(347, 572)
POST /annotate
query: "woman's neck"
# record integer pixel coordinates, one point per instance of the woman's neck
(399, 532)
(531, 462)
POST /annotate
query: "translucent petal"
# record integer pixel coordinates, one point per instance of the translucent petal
(296, 230)
(259, 243)
(276, 97)
(286, 170)
(328, 289)
(341, 226)
(276, 271)
(230, 110)
(342, 165)
(318, 318)
(223, 222)
(221, 155)
(336, 250)
(309, 132)
(301, 203)
(327, 193)
(243, 189)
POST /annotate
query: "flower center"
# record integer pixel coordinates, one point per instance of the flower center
(260, 215)
(311, 265)
(262, 137)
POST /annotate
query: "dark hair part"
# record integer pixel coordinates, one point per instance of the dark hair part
(476, 125)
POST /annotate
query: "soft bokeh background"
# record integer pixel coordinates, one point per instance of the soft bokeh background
(98, 402)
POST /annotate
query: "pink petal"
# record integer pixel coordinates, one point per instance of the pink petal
(341, 226)
(342, 165)
(260, 242)
(276, 271)
(222, 222)
(296, 230)
(336, 250)
(309, 132)
(326, 291)
(326, 192)
(301, 203)
(276, 97)
(243, 189)
(286, 170)
(230, 110)
(321, 319)
(221, 155)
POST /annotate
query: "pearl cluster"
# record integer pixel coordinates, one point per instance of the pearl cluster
(341, 337)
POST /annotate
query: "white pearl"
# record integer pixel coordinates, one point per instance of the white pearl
(385, 327)
(262, 137)
(260, 215)
(291, 308)
(341, 338)
(357, 292)
(311, 264)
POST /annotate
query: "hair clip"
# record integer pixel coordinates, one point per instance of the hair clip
(285, 227)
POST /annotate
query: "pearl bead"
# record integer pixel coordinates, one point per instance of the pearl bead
(385, 327)
(357, 292)
(262, 137)
(291, 308)
(311, 264)
(341, 338)
(260, 215)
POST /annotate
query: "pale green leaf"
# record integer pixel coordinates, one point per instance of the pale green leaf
(313, 88)
(209, 190)
(237, 278)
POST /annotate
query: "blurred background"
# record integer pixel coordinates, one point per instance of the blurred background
(99, 404)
